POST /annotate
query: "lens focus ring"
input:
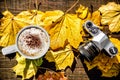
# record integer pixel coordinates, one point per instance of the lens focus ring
(89, 50)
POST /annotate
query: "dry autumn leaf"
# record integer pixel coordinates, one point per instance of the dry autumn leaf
(111, 16)
(26, 68)
(82, 12)
(103, 62)
(62, 58)
(113, 72)
(51, 16)
(10, 25)
(51, 75)
(90, 65)
(106, 62)
(66, 29)
(32, 16)
(96, 18)
(116, 42)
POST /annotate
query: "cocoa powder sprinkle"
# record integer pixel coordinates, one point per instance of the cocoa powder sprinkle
(33, 41)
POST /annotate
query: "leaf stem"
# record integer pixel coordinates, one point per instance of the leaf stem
(5, 3)
(72, 6)
(29, 5)
(36, 1)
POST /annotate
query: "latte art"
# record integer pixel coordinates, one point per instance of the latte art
(32, 41)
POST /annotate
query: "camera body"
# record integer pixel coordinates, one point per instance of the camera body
(100, 42)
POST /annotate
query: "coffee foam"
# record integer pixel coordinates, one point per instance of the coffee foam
(37, 47)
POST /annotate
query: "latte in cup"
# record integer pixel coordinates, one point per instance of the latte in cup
(32, 41)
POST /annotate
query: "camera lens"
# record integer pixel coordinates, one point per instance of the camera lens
(89, 50)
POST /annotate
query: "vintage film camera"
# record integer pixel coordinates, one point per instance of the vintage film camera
(100, 42)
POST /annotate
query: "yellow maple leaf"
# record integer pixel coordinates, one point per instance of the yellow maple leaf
(113, 72)
(106, 62)
(103, 62)
(82, 12)
(7, 14)
(90, 65)
(116, 42)
(66, 29)
(115, 24)
(51, 16)
(96, 18)
(10, 25)
(62, 58)
(26, 68)
(31, 16)
(111, 16)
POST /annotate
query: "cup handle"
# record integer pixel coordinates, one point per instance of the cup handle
(9, 50)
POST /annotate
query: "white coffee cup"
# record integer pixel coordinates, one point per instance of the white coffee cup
(29, 50)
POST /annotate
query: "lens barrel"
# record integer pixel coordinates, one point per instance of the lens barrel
(89, 50)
